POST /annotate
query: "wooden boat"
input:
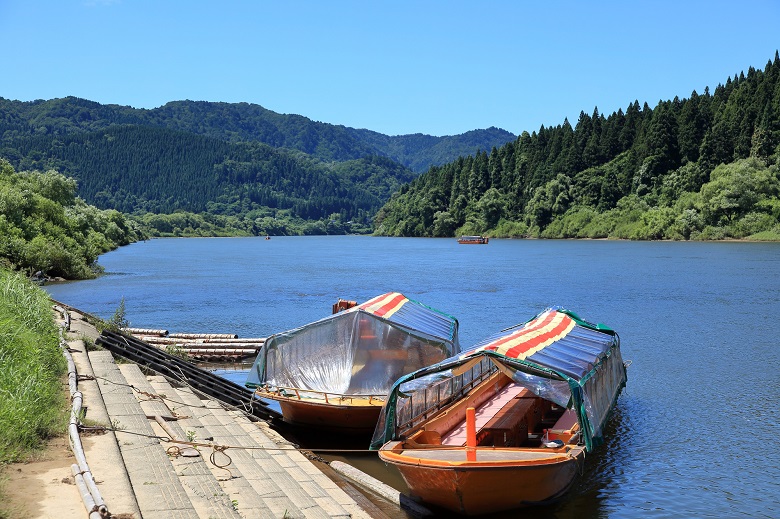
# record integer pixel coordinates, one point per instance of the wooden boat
(336, 412)
(506, 424)
(473, 240)
(335, 373)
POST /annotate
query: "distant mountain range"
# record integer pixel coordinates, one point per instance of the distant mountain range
(224, 158)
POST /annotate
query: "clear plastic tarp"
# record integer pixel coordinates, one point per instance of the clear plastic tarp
(359, 351)
(556, 355)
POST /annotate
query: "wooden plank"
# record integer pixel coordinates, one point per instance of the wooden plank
(457, 435)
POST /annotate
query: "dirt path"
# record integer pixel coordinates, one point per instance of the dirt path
(44, 488)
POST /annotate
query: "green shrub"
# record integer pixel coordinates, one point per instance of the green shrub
(753, 223)
(509, 229)
(711, 233)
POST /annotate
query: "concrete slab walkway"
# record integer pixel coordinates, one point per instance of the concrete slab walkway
(241, 468)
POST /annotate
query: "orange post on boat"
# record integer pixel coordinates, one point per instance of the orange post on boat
(471, 434)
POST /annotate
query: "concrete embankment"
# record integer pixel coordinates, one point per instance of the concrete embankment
(163, 450)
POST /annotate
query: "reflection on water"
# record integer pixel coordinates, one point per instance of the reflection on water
(698, 320)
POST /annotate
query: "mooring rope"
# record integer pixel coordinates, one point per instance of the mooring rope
(222, 447)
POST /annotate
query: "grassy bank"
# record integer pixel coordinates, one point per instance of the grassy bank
(32, 402)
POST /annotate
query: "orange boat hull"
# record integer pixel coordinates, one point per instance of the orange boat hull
(482, 487)
(348, 415)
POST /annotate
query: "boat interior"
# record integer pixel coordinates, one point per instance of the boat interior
(506, 415)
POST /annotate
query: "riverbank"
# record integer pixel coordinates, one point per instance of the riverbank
(245, 468)
(31, 365)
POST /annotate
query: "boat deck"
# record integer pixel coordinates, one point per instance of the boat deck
(319, 397)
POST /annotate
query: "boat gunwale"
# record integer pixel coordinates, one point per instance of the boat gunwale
(557, 456)
(340, 400)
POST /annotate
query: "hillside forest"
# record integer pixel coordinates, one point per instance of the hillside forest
(201, 168)
(701, 168)
(78, 178)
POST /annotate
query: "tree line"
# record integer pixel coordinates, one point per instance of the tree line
(240, 122)
(698, 168)
(46, 230)
(231, 168)
(705, 167)
(138, 169)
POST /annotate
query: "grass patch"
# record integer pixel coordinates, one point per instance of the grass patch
(31, 364)
(177, 351)
(32, 402)
(89, 343)
(772, 235)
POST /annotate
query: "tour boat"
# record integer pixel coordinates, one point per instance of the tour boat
(335, 373)
(506, 424)
(473, 240)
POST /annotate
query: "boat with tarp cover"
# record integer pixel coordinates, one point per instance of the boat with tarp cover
(335, 373)
(507, 423)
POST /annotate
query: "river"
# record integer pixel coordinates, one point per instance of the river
(698, 321)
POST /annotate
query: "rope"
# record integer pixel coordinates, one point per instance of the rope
(153, 396)
(174, 451)
(221, 447)
(212, 459)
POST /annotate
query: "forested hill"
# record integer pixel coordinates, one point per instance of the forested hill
(419, 152)
(705, 167)
(141, 169)
(242, 122)
(233, 168)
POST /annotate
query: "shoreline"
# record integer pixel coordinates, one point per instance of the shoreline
(44, 486)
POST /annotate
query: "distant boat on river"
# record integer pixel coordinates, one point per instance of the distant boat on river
(506, 424)
(473, 240)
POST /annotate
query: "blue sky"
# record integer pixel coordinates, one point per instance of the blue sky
(396, 67)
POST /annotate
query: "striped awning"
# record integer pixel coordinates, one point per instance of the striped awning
(533, 336)
(398, 309)
(555, 339)
(385, 305)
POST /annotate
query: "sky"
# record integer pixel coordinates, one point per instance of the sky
(438, 67)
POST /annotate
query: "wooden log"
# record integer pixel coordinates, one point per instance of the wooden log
(203, 335)
(218, 346)
(210, 353)
(164, 340)
(259, 340)
(215, 351)
(145, 331)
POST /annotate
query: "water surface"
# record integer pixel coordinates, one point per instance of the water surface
(698, 321)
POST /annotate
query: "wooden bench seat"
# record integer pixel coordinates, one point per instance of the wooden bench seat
(509, 427)
(565, 428)
(483, 414)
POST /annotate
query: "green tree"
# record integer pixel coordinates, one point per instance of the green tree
(736, 189)
(491, 207)
(444, 224)
(550, 200)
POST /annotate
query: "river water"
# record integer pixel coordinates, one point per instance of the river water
(698, 321)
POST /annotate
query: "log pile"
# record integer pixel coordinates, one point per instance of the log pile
(206, 347)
